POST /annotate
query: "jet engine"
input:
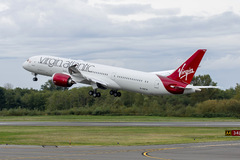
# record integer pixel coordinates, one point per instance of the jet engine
(62, 80)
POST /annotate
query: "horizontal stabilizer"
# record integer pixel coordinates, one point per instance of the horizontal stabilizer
(198, 88)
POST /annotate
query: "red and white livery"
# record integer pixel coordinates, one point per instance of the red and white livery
(66, 72)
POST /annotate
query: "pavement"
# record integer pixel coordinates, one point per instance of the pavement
(133, 124)
(196, 151)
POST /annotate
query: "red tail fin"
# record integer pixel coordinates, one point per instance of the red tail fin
(187, 70)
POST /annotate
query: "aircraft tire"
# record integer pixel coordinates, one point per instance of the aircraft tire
(111, 92)
(115, 94)
(94, 95)
(119, 94)
(90, 93)
(98, 94)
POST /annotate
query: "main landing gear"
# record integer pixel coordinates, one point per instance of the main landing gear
(94, 93)
(115, 93)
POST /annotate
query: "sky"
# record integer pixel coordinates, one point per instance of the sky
(145, 35)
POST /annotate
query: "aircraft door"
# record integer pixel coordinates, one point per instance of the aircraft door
(156, 84)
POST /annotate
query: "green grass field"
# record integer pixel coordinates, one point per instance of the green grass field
(109, 135)
(39, 135)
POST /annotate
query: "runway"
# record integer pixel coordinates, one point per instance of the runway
(133, 124)
(196, 151)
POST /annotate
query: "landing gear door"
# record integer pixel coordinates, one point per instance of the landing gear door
(156, 84)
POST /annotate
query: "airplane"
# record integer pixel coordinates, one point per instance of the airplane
(66, 72)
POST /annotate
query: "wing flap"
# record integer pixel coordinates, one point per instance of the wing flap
(73, 69)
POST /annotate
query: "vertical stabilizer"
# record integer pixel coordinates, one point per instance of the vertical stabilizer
(187, 70)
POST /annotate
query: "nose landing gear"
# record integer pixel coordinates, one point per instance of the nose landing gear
(35, 77)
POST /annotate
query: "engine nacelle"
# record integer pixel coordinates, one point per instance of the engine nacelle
(62, 80)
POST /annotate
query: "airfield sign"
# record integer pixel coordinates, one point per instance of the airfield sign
(232, 133)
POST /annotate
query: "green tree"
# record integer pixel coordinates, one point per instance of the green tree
(203, 80)
(35, 100)
(205, 94)
(2, 98)
(237, 92)
(50, 86)
(10, 101)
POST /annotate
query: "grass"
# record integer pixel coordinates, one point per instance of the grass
(30, 135)
(76, 118)
(87, 135)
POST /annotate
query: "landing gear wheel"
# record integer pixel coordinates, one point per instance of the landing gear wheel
(119, 94)
(90, 93)
(35, 77)
(98, 94)
(115, 93)
(111, 92)
(94, 93)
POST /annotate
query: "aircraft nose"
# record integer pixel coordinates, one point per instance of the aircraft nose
(25, 65)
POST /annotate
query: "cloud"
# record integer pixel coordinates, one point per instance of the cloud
(131, 9)
(161, 40)
(226, 62)
(78, 19)
(51, 18)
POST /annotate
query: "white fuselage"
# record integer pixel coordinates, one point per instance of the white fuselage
(115, 77)
(66, 72)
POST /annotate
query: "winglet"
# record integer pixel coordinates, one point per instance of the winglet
(187, 70)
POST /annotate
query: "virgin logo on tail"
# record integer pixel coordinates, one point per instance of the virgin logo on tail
(187, 70)
(184, 73)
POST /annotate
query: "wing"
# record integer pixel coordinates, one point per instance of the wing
(96, 82)
(86, 78)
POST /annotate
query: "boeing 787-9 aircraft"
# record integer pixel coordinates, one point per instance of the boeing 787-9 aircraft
(66, 72)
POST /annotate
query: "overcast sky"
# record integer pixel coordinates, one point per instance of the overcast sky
(146, 35)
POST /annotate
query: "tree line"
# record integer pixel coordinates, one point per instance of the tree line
(53, 100)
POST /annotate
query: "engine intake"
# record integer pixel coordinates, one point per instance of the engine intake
(62, 80)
